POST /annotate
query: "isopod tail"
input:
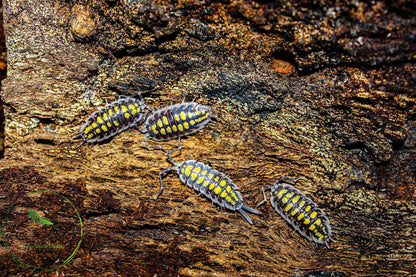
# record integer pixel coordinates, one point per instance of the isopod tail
(251, 210)
(245, 216)
(331, 240)
(327, 242)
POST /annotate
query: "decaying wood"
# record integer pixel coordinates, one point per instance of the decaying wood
(324, 90)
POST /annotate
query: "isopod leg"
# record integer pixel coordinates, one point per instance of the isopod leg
(160, 178)
(264, 197)
(285, 178)
(153, 147)
(170, 159)
(147, 107)
(177, 149)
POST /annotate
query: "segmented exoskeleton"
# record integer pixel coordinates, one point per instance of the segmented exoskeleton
(176, 121)
(112, 119)
(299, 211)
(215, 185)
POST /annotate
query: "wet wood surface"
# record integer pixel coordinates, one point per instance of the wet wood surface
(323, 90)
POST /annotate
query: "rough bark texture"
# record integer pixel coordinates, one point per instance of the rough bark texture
(320, 89)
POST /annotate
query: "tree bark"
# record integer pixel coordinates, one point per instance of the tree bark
(323, 90)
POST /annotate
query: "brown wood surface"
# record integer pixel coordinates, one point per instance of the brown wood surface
(319, 89)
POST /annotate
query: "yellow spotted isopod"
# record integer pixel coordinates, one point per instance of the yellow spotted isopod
(299, 211)
(176, 121)
(113, 119)
(215, 185)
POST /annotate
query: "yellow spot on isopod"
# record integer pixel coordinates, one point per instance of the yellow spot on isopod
(192, 122)
(116, 109)
(228, 188)
(280, 194)
(90, 135)
(188, 170)
(154, 127)
(302, 203)
(223, 183)
(124, 109)
(217, 190)
(197, 170)
(94, 125)
(180, 127)
(223, 194)
(193, 176)
(318, 222)
(163, 131)
(159, 123)
(108, 124)
(217, 178)
(228, 199)
(186, 125)
(234, 196)
(99, 120)
(97, 131)
(177, 117)
(165, 120)
(314, 214)
(126, 115)
(204, 172)
(308, 208)
(104, 128)
(288, 207)
(132, 108)
(211, 186)
(294, 211)
(295, 199)
(200, 180)
(110, 112)
(183, 116)
(174, 128)
(306, 221)
(210, 176)
(286, 198)
(312, 227)
(115, 123)
(301, 216)
(169, 129)
(156, 132)
(105, 116)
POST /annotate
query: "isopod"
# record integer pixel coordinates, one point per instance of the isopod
(112, 119)
(299, 210)
(215, 185)
(176, 121)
